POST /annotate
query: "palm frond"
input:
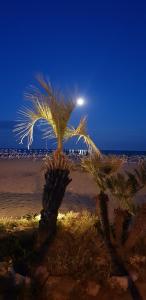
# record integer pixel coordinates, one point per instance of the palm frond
(47, 105)
(81, 133)
(28, 118)
(51, 106)
(140, 174)
(60, 108)
(101, 167)
(124, 187)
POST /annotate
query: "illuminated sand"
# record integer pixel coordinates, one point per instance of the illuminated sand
(21, 184)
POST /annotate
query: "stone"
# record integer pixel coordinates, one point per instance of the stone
(57, 295)
(3, 268)
(41, 274)
(19, 279)
(134, 275)
(53, 281)
(92, 288)
(119, 281)
(27, 281)
(67, 284)
(59, 288)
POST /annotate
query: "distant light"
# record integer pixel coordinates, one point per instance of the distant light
(80, 101)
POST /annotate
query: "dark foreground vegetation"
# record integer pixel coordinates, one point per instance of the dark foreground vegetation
(77, 264)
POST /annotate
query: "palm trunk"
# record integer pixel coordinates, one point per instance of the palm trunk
(60, 145)
(54, 190)
(116, 263)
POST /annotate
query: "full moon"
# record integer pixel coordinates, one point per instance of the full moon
(80, 101)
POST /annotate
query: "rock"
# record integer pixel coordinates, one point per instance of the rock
(119, 282)
(92, 288)
(19, 279)
(3, 268)
(7, 281)
(41, 274)
(59, 288)
(134, 275)
(11, 271)
(57, 295)
(67, 284)
(41, 270)
(53, 281)
(27, 281)
(142, 289)
(137, 259)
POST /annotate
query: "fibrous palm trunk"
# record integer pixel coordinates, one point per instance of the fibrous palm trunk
(117, 265)
(56, 181)
(54, 190)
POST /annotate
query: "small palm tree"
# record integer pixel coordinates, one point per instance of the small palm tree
(50, 106)
(103, 170)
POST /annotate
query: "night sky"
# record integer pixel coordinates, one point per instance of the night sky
(95, 49)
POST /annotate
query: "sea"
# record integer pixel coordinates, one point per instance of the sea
(9, 143)
(43, 151)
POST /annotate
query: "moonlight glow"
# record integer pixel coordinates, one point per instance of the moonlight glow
(80, 101)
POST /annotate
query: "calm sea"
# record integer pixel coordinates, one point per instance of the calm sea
(8, 141)
(44, 151)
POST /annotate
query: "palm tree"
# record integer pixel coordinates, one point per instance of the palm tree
(103, 169)
(51, 106)
(124, 187)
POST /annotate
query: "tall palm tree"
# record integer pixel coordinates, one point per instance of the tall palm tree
(51, 106)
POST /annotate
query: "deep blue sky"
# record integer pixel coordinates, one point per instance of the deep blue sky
(95, 47)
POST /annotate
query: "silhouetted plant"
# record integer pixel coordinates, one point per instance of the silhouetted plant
(137, 230)
(102, 170)
(122, 221)
(124, 187)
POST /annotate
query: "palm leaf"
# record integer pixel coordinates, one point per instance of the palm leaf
(49, 106)
(28, 118)
(101, 168)
(60, 108)
(81, 133)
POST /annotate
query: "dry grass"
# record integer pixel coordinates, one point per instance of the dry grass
(18, 224)
(78, 249)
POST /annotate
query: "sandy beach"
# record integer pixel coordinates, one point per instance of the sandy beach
(21, 185)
